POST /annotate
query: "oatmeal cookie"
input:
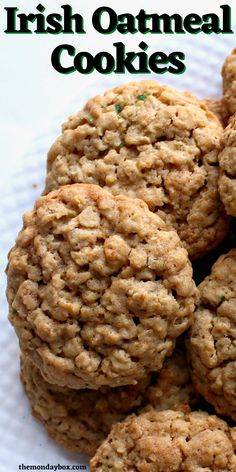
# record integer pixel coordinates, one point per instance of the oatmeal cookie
(229, 84)
(172, 388)
(202, 267)
(78, 419)
(98, 288)
(227, 160)
(151, 142)
(81, 419)
(168, 441)
(216, 106)
(212, 343)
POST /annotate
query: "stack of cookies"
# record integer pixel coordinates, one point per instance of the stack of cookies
(101, 289)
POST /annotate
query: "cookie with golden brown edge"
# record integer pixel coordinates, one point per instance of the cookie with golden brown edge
(81, 419)
(212, 340)
(152, 142)
(227, 160)
(168, 441)
(99, 288)
(78, 419)
(217, 107)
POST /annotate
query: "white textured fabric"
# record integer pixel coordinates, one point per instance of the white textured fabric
(23, 439)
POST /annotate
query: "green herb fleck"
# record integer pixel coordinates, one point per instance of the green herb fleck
(121, 144)
(143, 97)
(202, 381)
(222, 298)
(118, 108)
(90, 120)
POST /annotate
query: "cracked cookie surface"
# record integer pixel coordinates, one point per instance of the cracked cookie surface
(168, 441)
(172, 388)
(212, 342)
(98, 288)
(227, 160)
(78, 419)
(151, 142)
(217, 107)
(81, 419)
